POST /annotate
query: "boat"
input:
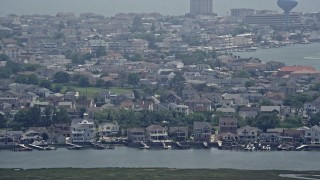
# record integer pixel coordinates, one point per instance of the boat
(144, 145)
(205, 144)
(283, 147)
(249, 147)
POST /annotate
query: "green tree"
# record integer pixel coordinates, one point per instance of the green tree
(3, 121)
(77, 59)
(108, 84)
(249, 83)
(57, 88)
(84, 81)
(100, 83)
(45, 84)
(266, 102)
(5, 72)
(101, 51)
(137, 25)
(13, 67)
(133, 79)
(33, 79)
(267, 121)
(61, 77)
(61, 116)
(294, 120)
(178, 83)
(22, 78)
(4, 57)
(297, 100)
(31, 67)
(82, 111)
(47, 119)
(23, 118)
(315, 119)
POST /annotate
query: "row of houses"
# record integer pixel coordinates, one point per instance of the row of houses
(83, 130)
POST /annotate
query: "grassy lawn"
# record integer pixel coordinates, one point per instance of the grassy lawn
(92, 91)
(157, 173)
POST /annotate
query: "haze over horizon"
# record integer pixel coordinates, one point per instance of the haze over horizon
(112, 7)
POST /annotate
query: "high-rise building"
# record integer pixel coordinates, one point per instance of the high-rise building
(242, 12)
(201, 7)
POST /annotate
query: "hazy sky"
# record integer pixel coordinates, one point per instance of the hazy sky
(111, 7)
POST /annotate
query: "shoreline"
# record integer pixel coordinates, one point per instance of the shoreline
(151, 173)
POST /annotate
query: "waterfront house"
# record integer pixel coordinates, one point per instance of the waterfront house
(227, 137)
(60, 132)
(312, 135)
(296, 134)
(248, 134)
(269, 137)
(9, 137)
(178, 133)
(82, 131)
(202, 131)
(108, 129)
(156, 133)
(228, 124)
(135, 135)
(30, 136)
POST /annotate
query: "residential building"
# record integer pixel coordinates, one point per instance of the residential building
(227, 137)
(108, 129)
(201, 7)
(248, 112)
(82, 131)
(269, 137)
(199, 104)
(60, 132)
(312, 107)
(248, 134)
(179, 108)
(270, 109)
(312, 135)
(156, 133)
(202, 131)
(179, 133)
(241, 12)
(30, 136)
(271, 19)
(135, 135)
(228, 124)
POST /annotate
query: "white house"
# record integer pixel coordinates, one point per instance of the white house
(108, 129)
(312, 135)
(82, 131)
(156, 133)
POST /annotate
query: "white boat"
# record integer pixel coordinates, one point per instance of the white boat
(144, 145)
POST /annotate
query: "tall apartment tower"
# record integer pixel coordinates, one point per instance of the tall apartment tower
(201, 7)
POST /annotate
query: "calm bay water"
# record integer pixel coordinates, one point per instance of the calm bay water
(112, 7)
(299, 54)
(192, 158)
